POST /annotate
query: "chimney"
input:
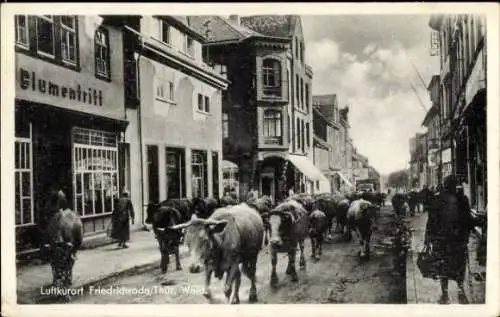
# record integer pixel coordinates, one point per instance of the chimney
(235, 19)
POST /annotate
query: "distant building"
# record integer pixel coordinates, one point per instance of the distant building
(267, 109)
(432, 122)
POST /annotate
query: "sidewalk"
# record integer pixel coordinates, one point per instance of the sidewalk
(93, 265)
(421, 290)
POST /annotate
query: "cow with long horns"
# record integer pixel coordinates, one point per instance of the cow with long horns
(289, 224)
(229, 237)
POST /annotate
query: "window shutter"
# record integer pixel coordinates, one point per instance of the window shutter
(258, 74)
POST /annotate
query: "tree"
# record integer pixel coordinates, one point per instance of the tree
(398, 179)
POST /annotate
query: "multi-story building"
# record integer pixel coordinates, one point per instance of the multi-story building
(345, 150)
(461, 43)
(418, 157)
(175, 134)
(267, 109)
(322, 137)
(432, 122)
(327, 111)
(70, 121)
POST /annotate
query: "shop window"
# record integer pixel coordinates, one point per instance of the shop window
(176, 173)
(199, 181)
(272, 127)
(45, 34)
(102, 56)
(95, 171)
(215, 174)
(22, 31)
(23, 172)
(68, 39)
(230, 177)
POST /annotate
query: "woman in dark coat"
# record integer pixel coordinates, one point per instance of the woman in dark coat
(124, 211)
(447, 233)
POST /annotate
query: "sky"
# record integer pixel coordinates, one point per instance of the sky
(371, 63)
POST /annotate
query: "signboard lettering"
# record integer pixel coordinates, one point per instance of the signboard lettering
(29, 80)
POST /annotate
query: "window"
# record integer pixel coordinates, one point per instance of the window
(101, 50)
(215, 174)
(22, 33)
(307, 134)
(296, 47)
(230, 177)
(297, 90)
(271, 77)
(225, 125)
(272, 127)
(302, 52)
(165, 90)
(188, 45)
(302, 132)
(165, 36)
(95, 171)
(23, 171)
(307, 97)
(45, 34)
(297, 130)
(302, 103)
(68, 39)
(289, 128)
(176, 172)
(199, 173)
(203, 103)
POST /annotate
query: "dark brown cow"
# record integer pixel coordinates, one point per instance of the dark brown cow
(65, 233)
(204, 207)
(289, 227)
(161, 217)
(317, 229)
(229, 237)
(227, 201)
(360, 218)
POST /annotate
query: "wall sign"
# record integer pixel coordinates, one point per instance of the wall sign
(30, 80)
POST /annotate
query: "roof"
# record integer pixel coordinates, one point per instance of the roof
(186, 24)
(271, 25)
(224, 30)
(433, 111)
(330, 99)
(434, 79)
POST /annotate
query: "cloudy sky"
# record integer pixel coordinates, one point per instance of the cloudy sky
(369, 62)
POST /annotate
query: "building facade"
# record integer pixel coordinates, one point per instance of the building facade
(432, 122)
(70, 122)
(175, 133)
(461, 45)
(267, 109)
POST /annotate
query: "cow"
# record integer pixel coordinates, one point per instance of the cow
(341, 213)
(162, 216)
(413, 201)
(65, 236)
(227, 200)
(317, 227)
(263, 205)
(229, 237)
(204, 207)
(289, 224)
(398, 202)
(305, 200)
(359, 219)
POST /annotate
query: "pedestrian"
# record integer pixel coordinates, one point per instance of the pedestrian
(123, 213)
(447, 235)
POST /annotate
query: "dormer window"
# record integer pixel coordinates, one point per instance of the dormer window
(271, 77)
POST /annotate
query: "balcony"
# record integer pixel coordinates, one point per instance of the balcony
(273, 140)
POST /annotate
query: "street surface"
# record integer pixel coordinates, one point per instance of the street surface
(339, 277)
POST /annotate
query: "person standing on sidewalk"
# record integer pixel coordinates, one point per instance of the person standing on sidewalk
(124, 211)
(447, 234)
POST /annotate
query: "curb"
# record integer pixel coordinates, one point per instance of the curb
(411, 285)
(34, 297)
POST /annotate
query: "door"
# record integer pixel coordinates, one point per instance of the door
(267, 185)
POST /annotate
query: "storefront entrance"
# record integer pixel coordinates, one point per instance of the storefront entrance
(267, 185)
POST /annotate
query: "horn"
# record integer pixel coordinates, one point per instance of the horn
(160, 229)
(291, 215)
(181, 225)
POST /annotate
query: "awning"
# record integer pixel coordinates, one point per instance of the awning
(344, 179)
(306, 167)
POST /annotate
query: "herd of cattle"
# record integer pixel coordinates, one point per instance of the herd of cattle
(222, 233)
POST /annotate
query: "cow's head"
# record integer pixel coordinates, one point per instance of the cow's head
(281, 221)
(315, 224)
(203, 242)
(150, 211)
